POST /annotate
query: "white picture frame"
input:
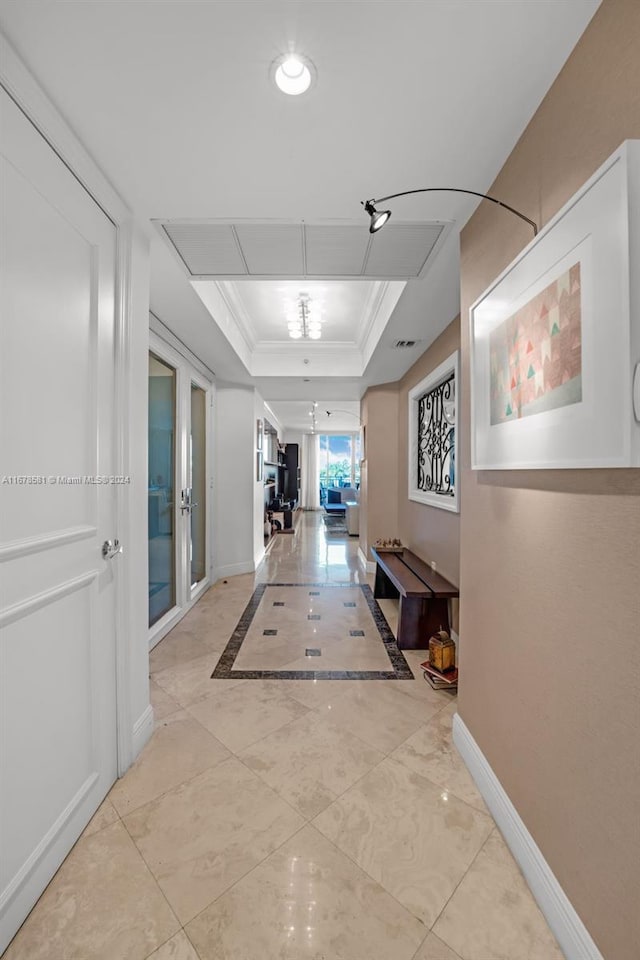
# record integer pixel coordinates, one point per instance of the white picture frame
(449, 368)
(595, 425)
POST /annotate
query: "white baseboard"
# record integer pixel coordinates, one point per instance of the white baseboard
(568, 928)
(23, 890)
(367, 564)
(142, 730)
(234, 569)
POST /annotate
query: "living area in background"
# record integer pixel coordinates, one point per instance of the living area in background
(339, 463)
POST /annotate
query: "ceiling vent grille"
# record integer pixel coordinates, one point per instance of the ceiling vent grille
(265, 250)
(403, 344)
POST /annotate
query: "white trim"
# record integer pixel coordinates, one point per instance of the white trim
(19, 896)
(568, 928)
(172, 617)
(22, 548)
(368, 565)
(387, 295)
(124, 495)
(164, 333)
(194, 592)
(22, 87)
(442, 372)
(142, 730)
(39, 600)
(179, 358)
(164, 625)
(30, 864)
(234, 569)
(201, 587)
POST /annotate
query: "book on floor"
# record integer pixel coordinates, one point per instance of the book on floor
(439, 680)
(439, 684)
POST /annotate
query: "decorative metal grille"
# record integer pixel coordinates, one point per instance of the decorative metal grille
(436, 436)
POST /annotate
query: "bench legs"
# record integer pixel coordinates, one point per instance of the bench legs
(419, 619)
(383, 589)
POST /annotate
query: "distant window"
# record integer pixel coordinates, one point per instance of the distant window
(339, 460)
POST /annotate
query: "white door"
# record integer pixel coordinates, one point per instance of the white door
(57, 593)
(179, 487)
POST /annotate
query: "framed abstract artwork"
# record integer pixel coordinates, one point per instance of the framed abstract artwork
(555, 340)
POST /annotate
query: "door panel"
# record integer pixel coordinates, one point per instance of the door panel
(162, 465)
(198, 485)
(67, 616)
(57, 599)
(57, 258)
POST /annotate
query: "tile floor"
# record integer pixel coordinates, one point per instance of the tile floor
(290, 819)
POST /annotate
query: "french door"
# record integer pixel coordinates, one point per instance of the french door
(179, 486)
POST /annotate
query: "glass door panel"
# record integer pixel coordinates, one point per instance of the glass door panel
(162, 434)
(198, 484)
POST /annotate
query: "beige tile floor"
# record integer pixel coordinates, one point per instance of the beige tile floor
(290, 819)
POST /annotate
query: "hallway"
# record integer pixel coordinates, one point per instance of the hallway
(291, 818)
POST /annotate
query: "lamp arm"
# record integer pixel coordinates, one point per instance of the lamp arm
(484, 196)
(349, 412)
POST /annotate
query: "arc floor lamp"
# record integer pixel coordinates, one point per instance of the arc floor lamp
(330, 413)
(380, 217)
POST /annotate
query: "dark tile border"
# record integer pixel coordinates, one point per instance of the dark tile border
(224, 668)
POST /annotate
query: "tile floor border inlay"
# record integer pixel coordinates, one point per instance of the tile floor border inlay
(224, 668)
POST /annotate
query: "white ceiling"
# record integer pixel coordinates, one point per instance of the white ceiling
(173, 100)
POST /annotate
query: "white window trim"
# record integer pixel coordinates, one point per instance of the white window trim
(437, 376)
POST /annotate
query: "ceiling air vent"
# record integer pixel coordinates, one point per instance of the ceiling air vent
(215, 249)
(403, 344)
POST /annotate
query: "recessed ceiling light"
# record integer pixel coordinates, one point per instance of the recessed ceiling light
(293, 74)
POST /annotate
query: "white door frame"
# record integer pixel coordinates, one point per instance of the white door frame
(29, 96)
(186, 374)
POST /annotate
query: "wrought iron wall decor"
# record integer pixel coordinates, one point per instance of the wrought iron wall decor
(436, 439)
(433, 405)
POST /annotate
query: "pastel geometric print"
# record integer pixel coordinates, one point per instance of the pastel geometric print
(536, 354)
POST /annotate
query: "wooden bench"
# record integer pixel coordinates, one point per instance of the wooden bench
(424, 596)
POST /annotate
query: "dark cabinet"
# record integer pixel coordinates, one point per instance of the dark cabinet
(292, 473)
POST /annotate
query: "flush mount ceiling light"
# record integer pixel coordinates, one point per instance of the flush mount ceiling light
(380, 217)
(293, 74)
(306, 321)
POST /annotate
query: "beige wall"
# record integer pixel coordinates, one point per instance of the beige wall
(550, 561)
(379, 473)
(431, 533)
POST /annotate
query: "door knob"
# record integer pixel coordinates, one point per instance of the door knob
(111, 548)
